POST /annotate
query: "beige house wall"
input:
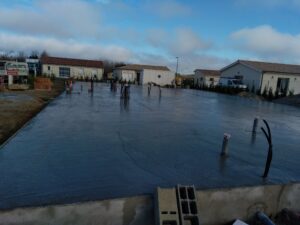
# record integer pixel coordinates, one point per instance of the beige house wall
(159, 77)
(200, 79)
(270, 81)
(75, 71)
(128, 75)
(251, 77)
(125, 75)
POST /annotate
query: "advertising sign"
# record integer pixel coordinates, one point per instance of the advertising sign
(13, 72)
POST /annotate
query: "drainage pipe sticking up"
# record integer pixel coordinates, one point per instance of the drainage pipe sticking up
(255, 123)
(270, 150)
(226, 138)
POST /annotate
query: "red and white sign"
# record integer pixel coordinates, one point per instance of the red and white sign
(13, 72)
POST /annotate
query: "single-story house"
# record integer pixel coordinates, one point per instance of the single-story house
(76, 68)
(206, 77)
(144, 74)
(260, 76)
(12, 72)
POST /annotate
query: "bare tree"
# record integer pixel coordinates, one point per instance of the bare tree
(44, 54)
(34, 54)
(109, 66)
(21, 56)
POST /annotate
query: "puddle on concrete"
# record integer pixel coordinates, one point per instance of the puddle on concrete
(83, 147)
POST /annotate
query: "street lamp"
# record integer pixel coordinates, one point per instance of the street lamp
(176, 66)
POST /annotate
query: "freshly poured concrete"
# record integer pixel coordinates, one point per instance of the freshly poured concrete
(84, 147)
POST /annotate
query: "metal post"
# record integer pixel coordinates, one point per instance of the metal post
(149, 89)
(176, 66)
(226, 138)
(270, 150)
(255, 123)
(92, 85)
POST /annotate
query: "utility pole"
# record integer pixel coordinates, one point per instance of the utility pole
(176, 67)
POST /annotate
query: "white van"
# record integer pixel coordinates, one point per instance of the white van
(231, 82)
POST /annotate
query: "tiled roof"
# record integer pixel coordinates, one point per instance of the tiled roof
(272, 67)
(215, 73)
(71, 62)
(141, 67)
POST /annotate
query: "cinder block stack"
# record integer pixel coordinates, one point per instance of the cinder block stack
(176, 206)
(187, 205)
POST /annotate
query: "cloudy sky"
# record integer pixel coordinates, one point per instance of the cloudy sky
(203, 34)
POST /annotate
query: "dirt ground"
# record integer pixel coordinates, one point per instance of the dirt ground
(17, 107)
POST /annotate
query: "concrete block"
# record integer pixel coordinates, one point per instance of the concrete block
(166, 209)
(187, 205)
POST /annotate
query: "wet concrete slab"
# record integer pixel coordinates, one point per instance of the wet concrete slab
(92, 147)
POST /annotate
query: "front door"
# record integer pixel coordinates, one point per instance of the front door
(138, 77)
(283, 86)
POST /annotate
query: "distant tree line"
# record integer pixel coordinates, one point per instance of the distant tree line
(19, 56)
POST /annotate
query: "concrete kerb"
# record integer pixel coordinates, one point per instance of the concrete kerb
(215, 206)
(219, 206)
(133, 210)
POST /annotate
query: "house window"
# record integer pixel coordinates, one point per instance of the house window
(48, 67)
(64, 71)
(239, 77)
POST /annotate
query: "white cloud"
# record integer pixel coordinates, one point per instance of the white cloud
(62, 48)
(268, 43)
(182, 41)
(59, 18)
(75, 28)
(169, 8)
(187, 64)
(187, 41)
(71, 48)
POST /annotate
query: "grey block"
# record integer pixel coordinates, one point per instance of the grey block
(166, 209)
(187, 205)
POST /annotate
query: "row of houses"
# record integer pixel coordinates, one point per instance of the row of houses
(12, 72)
(258, 76)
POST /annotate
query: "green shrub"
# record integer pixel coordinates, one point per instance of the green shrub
(265, 92)
(277, 94)
(30, 81)
(270, 94)
(253, 89)
(291, 92)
